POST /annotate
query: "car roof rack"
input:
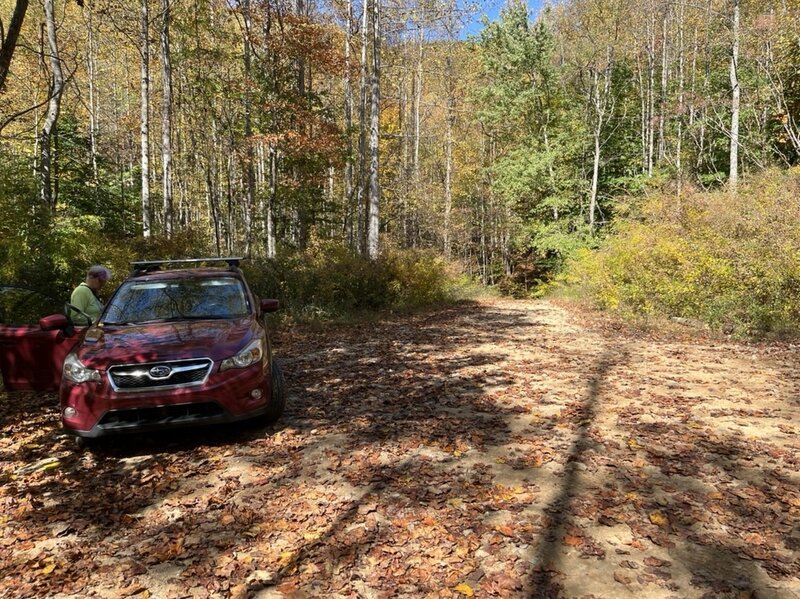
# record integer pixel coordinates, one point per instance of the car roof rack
(142, 267)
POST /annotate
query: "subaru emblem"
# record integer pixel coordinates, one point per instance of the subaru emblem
(160, 372)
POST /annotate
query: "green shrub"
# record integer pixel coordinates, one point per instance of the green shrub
(732, 262)
(329, 280)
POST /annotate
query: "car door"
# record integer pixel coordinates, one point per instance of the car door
(32, 354)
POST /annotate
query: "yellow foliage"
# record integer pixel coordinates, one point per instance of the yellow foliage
(732, 262)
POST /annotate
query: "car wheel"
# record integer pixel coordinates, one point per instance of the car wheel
(85, 443)
(277, 400)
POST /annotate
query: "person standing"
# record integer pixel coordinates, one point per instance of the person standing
(85, 297)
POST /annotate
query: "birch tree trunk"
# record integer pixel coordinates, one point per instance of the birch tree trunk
(681, 76)
(166, 117)
(662, 100)
(91, 53)
(348, 123)
(362, 130)
(417, 102)
(144, 129)
(733, 177)
(53, 109)
(448, 152)
(374, 137)
(249, 166)
(273, 196)
(601, 107)
(651, 65)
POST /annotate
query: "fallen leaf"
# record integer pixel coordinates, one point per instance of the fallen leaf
(239, 592)
(655, 562)
(227, 519)
(659, 519)
(621, 577)
(572, 540)
(465, 589)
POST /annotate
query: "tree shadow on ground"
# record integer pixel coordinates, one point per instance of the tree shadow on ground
(374, 479)
(89, 502)
(543, 583)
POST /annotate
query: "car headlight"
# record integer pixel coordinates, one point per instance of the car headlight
(247, 357)
(76, 372)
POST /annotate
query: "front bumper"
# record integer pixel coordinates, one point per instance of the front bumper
(224, 397)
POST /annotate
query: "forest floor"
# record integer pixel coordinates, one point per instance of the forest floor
(490, 449)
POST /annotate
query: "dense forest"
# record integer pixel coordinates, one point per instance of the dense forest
(644, 149)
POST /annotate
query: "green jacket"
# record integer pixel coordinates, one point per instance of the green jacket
(86, 301)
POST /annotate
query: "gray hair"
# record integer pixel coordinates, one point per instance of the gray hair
(99, 272)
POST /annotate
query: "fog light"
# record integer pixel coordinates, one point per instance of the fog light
(70, 412)
(256, 394)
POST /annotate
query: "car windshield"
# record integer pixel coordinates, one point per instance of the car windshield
(177, 299)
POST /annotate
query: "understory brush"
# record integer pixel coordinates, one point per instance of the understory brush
(730, 261)
(327, 280)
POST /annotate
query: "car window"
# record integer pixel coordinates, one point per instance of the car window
(177, 299)
(20, 306)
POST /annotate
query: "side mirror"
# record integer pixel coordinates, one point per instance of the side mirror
(53, 322)
(269, 305)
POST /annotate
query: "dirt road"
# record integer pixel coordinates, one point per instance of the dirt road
(495, 449)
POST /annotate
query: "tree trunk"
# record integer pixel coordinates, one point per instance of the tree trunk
(374, 137)
(212, 188)
(273, 195)
(249, 166)
(733, 177)
(643, 108)
(348, 123)
(145, 117)
(448, 152)
(601, 107)
(662, 100)
(651, 65)
(681, 60)
(9, 43)
(166, 118)
(91, 53)
(53, 109)
(362, 131)
(417, 102)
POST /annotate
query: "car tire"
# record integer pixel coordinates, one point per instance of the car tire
(85, 443)
(277, 400)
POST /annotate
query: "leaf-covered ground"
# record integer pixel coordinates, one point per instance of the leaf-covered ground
(495, 449)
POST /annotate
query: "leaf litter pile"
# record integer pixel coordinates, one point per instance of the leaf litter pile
(489, 449)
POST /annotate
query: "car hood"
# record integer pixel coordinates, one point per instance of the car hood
(105, 345)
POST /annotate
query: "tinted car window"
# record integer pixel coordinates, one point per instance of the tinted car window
(177, 299)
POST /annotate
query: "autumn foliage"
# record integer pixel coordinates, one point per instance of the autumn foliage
(730, 262)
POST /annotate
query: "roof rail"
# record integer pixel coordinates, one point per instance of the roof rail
(141, 267)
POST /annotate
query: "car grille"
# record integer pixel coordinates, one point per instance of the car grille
(160, 375)
(189, 413)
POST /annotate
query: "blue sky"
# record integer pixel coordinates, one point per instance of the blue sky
(491, 8)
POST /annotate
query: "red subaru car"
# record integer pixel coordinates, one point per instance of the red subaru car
(172, 348)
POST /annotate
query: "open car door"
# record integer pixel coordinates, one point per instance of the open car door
(32, 355)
